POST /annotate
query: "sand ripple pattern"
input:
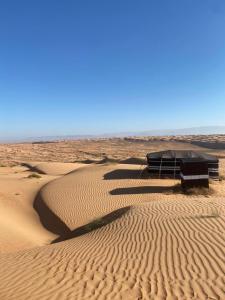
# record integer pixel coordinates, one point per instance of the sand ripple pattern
(93, 191)
(163, 248)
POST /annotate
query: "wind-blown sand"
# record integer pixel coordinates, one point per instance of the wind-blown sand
(167, 246)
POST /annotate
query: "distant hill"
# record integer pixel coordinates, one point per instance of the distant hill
(184, 131)
(206, 130)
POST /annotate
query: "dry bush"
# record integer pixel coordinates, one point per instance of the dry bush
(199, 191)
(221, 177)
(34, 175)
(195, 191)
(95, 224)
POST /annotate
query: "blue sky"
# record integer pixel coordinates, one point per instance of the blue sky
(86, 67)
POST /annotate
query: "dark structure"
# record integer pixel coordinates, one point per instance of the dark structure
(194, 173)
(167, 164)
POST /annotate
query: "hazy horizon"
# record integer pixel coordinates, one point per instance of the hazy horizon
(202, 130)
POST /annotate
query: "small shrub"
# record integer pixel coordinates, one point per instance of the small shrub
(221, 177)
(34, 175)
(213, 214)
(107, 160)
(195, 191)
(198, 191)
(2, 165)
(95, 224)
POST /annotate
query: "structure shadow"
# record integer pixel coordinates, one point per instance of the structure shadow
(123, 174)
(48, 218)
(32, 169)
(98, 223)
(133, 161)
(141, 190)
(209, 145)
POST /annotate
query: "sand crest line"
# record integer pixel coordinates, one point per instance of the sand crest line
(162, 247)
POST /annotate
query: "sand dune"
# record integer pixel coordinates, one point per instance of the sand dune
(20, 227)
(87, 193)
(52, 168)
(114, 148)
(158, 250)
(166, 246)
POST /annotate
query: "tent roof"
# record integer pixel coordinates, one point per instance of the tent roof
(180, 154)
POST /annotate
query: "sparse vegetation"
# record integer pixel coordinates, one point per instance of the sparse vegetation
(195, 191)
(95, 224)
(2, 165)
(221, 177)
(198, 191)
(34, 175)
(213, 214)
(108, 160)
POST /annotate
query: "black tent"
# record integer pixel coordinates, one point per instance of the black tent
(168, 163)
(194, 173)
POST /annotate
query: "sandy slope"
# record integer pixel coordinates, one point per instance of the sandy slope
(96, 190)
(159, 250)
(20, 227)
(166, 247)
(53, 168)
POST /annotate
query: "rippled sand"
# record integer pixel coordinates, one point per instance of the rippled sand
(165, 246)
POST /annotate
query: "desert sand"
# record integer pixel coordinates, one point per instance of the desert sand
(87, 150)
(148, 242)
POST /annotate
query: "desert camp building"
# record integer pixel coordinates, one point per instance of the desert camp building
(174, 163)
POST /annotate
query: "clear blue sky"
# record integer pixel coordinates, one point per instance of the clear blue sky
(96, 66)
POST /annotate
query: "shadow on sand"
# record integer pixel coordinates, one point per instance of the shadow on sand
(209, 145)
(55, 225)
(32, 169)
(124, 174)
(95, 224)
(48, 218)
(141, 190)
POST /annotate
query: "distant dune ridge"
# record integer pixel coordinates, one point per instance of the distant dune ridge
(159, 246)
(108, 149)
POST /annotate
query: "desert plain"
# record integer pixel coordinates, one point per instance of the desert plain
(79, 220)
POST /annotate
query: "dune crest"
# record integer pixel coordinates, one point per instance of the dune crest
(166, 246)
(156, 250)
